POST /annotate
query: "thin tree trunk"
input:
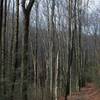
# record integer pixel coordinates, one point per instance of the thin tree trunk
(56, 76)
(5, 51)
(15, 51)
(26, 11)
(70, 52)
(1, 22)
(1, 19)
(25, 59)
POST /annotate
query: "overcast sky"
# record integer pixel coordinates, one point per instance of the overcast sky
(93, 4)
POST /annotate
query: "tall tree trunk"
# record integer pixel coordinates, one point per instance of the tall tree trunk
(36, 48)
(56, 76)
(26, 11)
(5, 46)
(12, 52)
(15, 51)
(1, 19)
(70, 51)
(25, 60)
(81, 78)
(52, 49)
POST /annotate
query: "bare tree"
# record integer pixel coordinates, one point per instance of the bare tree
(26, 11)
(1, 19)
(15, 51)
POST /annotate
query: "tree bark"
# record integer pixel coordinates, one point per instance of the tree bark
(26, 11)
(56, 76)
(1, 19)
(15, 51)
(70, 51)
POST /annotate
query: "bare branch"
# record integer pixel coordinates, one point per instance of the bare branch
(29, 6)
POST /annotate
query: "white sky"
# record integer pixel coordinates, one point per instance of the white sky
(93, 4)
(97, 2)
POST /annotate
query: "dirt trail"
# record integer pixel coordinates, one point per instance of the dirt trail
(89, 92)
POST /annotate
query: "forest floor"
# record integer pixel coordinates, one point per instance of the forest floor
(89, 92)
